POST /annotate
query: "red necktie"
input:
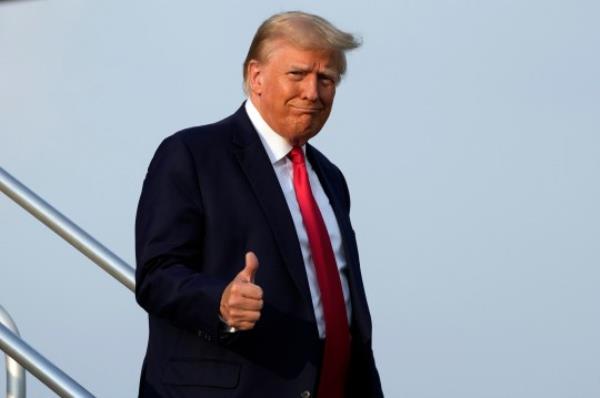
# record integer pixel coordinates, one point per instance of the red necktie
(336, 354)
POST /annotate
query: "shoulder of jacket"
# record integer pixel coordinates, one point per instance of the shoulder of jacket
(210, 136)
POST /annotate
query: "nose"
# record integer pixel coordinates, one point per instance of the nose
(310, 88)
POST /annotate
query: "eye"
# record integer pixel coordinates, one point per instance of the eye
(296, 74)
(326, 80)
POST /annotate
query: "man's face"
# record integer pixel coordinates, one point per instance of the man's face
(294, 89)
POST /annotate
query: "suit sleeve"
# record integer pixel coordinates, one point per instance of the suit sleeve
(169, 236)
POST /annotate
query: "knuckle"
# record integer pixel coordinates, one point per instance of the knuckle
(234, 301)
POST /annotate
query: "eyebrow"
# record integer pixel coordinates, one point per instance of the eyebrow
(327, 72)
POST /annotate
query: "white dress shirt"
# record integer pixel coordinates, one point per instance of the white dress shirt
(277, 149)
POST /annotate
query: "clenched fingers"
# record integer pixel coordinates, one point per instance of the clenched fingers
(247, 290)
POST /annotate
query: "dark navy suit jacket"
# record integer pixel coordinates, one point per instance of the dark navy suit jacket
(211, 195)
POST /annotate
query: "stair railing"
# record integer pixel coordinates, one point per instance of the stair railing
(15, 374)
(57, 380)
(65, 228)
(10, 342)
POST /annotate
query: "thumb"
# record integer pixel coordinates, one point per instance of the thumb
(249, 271)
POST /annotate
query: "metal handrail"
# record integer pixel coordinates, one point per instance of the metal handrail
(57, 380)
(10, 343)
(15, 374)
(65, 228)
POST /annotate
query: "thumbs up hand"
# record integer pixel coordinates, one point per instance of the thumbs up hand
(242, 300)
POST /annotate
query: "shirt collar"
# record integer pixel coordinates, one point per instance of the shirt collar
(276, 146)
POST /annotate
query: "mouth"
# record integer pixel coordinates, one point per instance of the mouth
(307, 109)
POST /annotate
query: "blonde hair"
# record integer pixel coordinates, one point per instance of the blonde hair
(306, 31)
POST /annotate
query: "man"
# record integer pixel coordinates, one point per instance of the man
(247, 261)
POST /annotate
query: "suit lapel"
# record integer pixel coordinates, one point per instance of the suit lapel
(334, 199)
(259, 172)
(357, 292)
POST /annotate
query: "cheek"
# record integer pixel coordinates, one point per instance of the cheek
(288, 90)
(279, 94)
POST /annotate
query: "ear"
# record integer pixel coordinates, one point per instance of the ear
(255, 77)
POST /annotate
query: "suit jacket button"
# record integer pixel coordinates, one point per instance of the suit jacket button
(305, 394)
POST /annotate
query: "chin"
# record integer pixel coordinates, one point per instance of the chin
(303, 131)
(299, 138)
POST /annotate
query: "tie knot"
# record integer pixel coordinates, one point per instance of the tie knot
(296, 155)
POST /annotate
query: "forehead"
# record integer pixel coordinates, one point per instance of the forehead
(282, 53)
